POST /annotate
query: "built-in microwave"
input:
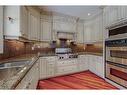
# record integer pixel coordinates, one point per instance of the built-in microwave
(117, 32)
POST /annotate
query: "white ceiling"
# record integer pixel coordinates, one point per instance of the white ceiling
(78, 11)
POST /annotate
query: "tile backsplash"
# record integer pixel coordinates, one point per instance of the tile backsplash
(14, 48)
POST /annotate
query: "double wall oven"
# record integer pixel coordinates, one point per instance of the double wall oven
(116, 58)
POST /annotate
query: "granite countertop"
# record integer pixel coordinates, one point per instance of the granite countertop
(10, 77)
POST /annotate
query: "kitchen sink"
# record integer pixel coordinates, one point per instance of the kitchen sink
(13, 64)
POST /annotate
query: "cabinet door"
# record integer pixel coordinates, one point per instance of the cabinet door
(83, 63)
(87, 32)
(46, 30)
(32, 27)
(101, 32)
(110, 15)
(43, 72)
(122, 12)
(24, 21)
(33, 24)
(1, 29)
(51, 68)
(113, 14)
(91, 63)
(99, 66)
(80, 32)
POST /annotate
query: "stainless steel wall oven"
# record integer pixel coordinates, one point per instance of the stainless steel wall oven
(116, 61)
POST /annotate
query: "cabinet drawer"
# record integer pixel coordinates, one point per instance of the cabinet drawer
(66, 69)
(65, 63)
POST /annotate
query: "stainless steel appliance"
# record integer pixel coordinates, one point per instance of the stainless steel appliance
(118, 30)
(116, 61)
(63, 50)
(65, 53)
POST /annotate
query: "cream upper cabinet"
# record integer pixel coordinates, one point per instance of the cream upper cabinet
(46, 28)
(15, 22)
(88, 27)
(21, 21)
(122, 12)
(33, 24)
(98, 28)
(80, 32)
(93, 29)
(1, 29)
(24, 22)
(110, 14)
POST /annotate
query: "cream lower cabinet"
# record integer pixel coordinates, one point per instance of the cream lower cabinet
(96, 64)
(66, 67)
(30, 80)
(82, 63)
(51, 66)
(47, 67)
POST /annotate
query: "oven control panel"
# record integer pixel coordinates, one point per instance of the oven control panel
(115, 43)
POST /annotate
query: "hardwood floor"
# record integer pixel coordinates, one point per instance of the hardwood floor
(84, 80)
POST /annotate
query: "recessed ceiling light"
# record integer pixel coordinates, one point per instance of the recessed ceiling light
(89, 14)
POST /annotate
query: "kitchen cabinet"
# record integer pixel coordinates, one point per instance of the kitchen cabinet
(96, 65)
(66, 67)
(33, 24)
(1, 29)
(98, 28)
(66, 70)
(80, 32)
(110, 14)
(21, 21)
(88, 33)
(93, 29)
(43, 68)
(46, 30)
(24, 21)
(83, 63)
(30, 80)
(47, 67)
(122, 12)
